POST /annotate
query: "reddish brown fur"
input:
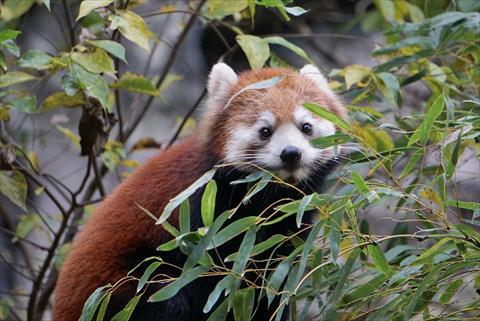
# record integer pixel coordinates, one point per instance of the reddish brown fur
(119, 225)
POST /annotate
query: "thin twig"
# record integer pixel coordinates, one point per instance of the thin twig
(69, 22)
(166, 69)
(187, 116)
(98, 176)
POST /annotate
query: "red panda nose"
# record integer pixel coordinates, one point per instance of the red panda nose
(290, 155)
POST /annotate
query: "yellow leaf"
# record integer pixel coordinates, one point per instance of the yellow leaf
(88, 6)
(69, 134)
(136, 29)
(33, 157)
(354, 74)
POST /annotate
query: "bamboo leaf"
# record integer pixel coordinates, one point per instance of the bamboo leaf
(423, 131)
(170, 290)
(177, 200)
(208, 203)
(328, 115)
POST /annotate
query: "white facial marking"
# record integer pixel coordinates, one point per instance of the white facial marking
(242, 137)
(321, 127)
(267, 151)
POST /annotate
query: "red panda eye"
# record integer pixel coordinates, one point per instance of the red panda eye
(265, 132)
(306, 128)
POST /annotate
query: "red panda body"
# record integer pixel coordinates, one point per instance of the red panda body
(119, 235)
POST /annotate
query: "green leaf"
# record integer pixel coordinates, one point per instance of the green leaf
(146, 275)
(92, 303)
(221, 286)
(9, 34)
(93, 85)
(61, 99)
(177, 200)
(423, 131)
(208, 203)
(14, 186)
(267, 177)
(389, 86)
(301, 208)
(344, 272)
(13, 9)
(220, 313)
(379, 259)
(335, 233)
(331, 140)
(36, 59)
(237, 227)
(14, 77)
(103, 307)
(255, 48)
(245, 250)
(220, 8)
(26, 104)
(95, 62)
(11, 47)
(431, 252)
(112, 47)
(450, 291)
(200, 249)
(365, 290)
(411, 163)
(136, 83)
(426, 283)
(172, 289)
(126, 312)
(328, 115)
(472, 206)
(184, 217)
(4, 309)
(264, 84)
(279, 274)
(260, 247)
(307, 248)
(136, 30)
(276, 40)
(88, 6)
(359, 182)
(26, 225)
(243, 304)
(296, 11)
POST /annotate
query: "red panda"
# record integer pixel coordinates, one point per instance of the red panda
(266, 127)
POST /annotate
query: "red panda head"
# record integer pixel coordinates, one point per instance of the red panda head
(269, 127)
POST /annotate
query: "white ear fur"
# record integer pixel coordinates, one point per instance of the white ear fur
(220, 81)
(317, 76)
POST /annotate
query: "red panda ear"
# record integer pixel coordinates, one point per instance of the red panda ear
(220, 81)
(317, 76)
